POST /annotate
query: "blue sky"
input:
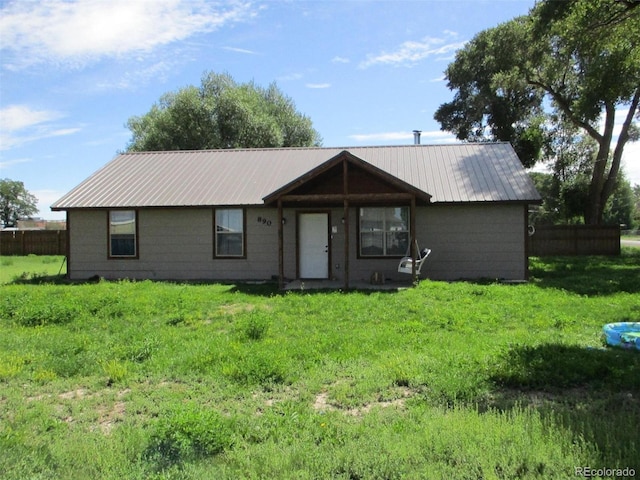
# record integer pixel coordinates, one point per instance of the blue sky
(365, 72)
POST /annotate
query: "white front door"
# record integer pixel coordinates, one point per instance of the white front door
(313, 245)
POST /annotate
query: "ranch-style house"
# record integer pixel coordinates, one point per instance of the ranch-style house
(338, 214)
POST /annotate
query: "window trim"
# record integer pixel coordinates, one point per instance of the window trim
(244, 235)
(110, 256)
(359, 232)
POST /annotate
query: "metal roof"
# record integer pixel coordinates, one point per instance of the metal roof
(468, 172)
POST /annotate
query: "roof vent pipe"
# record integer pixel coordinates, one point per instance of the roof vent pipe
(416, 137)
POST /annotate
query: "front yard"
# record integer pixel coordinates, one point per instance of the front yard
(117, 380)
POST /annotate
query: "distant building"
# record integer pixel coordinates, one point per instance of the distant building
(41, 224)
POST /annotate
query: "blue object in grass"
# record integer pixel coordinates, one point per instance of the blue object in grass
(623, 334)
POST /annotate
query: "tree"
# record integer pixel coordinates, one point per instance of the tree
(636, 207)
(551, 210)
(620, 207)
(222, 114)
(581, 57)
(15, 202)
(488, 105)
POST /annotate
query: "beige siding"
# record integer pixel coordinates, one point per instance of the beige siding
(468, 241)
(176, 244)
(474, 241)
(87, 243)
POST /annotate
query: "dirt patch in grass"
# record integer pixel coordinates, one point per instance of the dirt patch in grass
(78, 393)
(322, 403)
(235, 308)
(110, 416)
(269, 399)
(71, 394)
(109, 412)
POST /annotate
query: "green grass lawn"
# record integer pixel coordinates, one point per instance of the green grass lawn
(31, 266)
(138, 380)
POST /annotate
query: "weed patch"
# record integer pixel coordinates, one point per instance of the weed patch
(257, 365)
(254, 326)
(188, 432)
(116, 371)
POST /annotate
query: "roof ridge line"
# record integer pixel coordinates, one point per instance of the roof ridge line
(271, 149)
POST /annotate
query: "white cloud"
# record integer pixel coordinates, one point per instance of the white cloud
(290, 77)
(411, 52)
(240, 50)
(20, 124)
(135, 77)
(7, 142)
(16, 161)
(318, 85)
(433, 136)
(440, 136)
(381, 136)
(338, 59)
(61, 132)
(17, 117)
(76, 32)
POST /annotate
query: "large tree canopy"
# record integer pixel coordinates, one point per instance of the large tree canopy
(15, 202)
(222, 114)
(581, 58)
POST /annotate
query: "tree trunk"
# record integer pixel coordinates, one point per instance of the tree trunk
(602, 187)
(595, 208)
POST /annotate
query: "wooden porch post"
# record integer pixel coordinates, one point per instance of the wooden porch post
(68, 243)
(345, 216)
(412, 228)
(526, 242)
(280, 247)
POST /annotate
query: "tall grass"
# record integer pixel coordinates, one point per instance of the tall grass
(445, 380)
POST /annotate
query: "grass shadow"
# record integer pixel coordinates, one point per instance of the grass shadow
(28, 278)
(270, 289)
(589, 275)
(592, 392)
(555, 367)
(258, 289)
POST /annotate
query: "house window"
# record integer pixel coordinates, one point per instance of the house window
(229, 232)
(122, 234)
(384, 231)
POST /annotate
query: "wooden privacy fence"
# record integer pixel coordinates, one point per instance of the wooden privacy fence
(575, 240)
(36, 242)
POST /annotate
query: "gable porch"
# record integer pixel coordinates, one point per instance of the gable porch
(344, 182)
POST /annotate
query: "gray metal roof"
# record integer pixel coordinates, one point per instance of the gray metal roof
(469, 172)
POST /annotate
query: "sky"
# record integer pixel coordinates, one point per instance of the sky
(365, 72)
